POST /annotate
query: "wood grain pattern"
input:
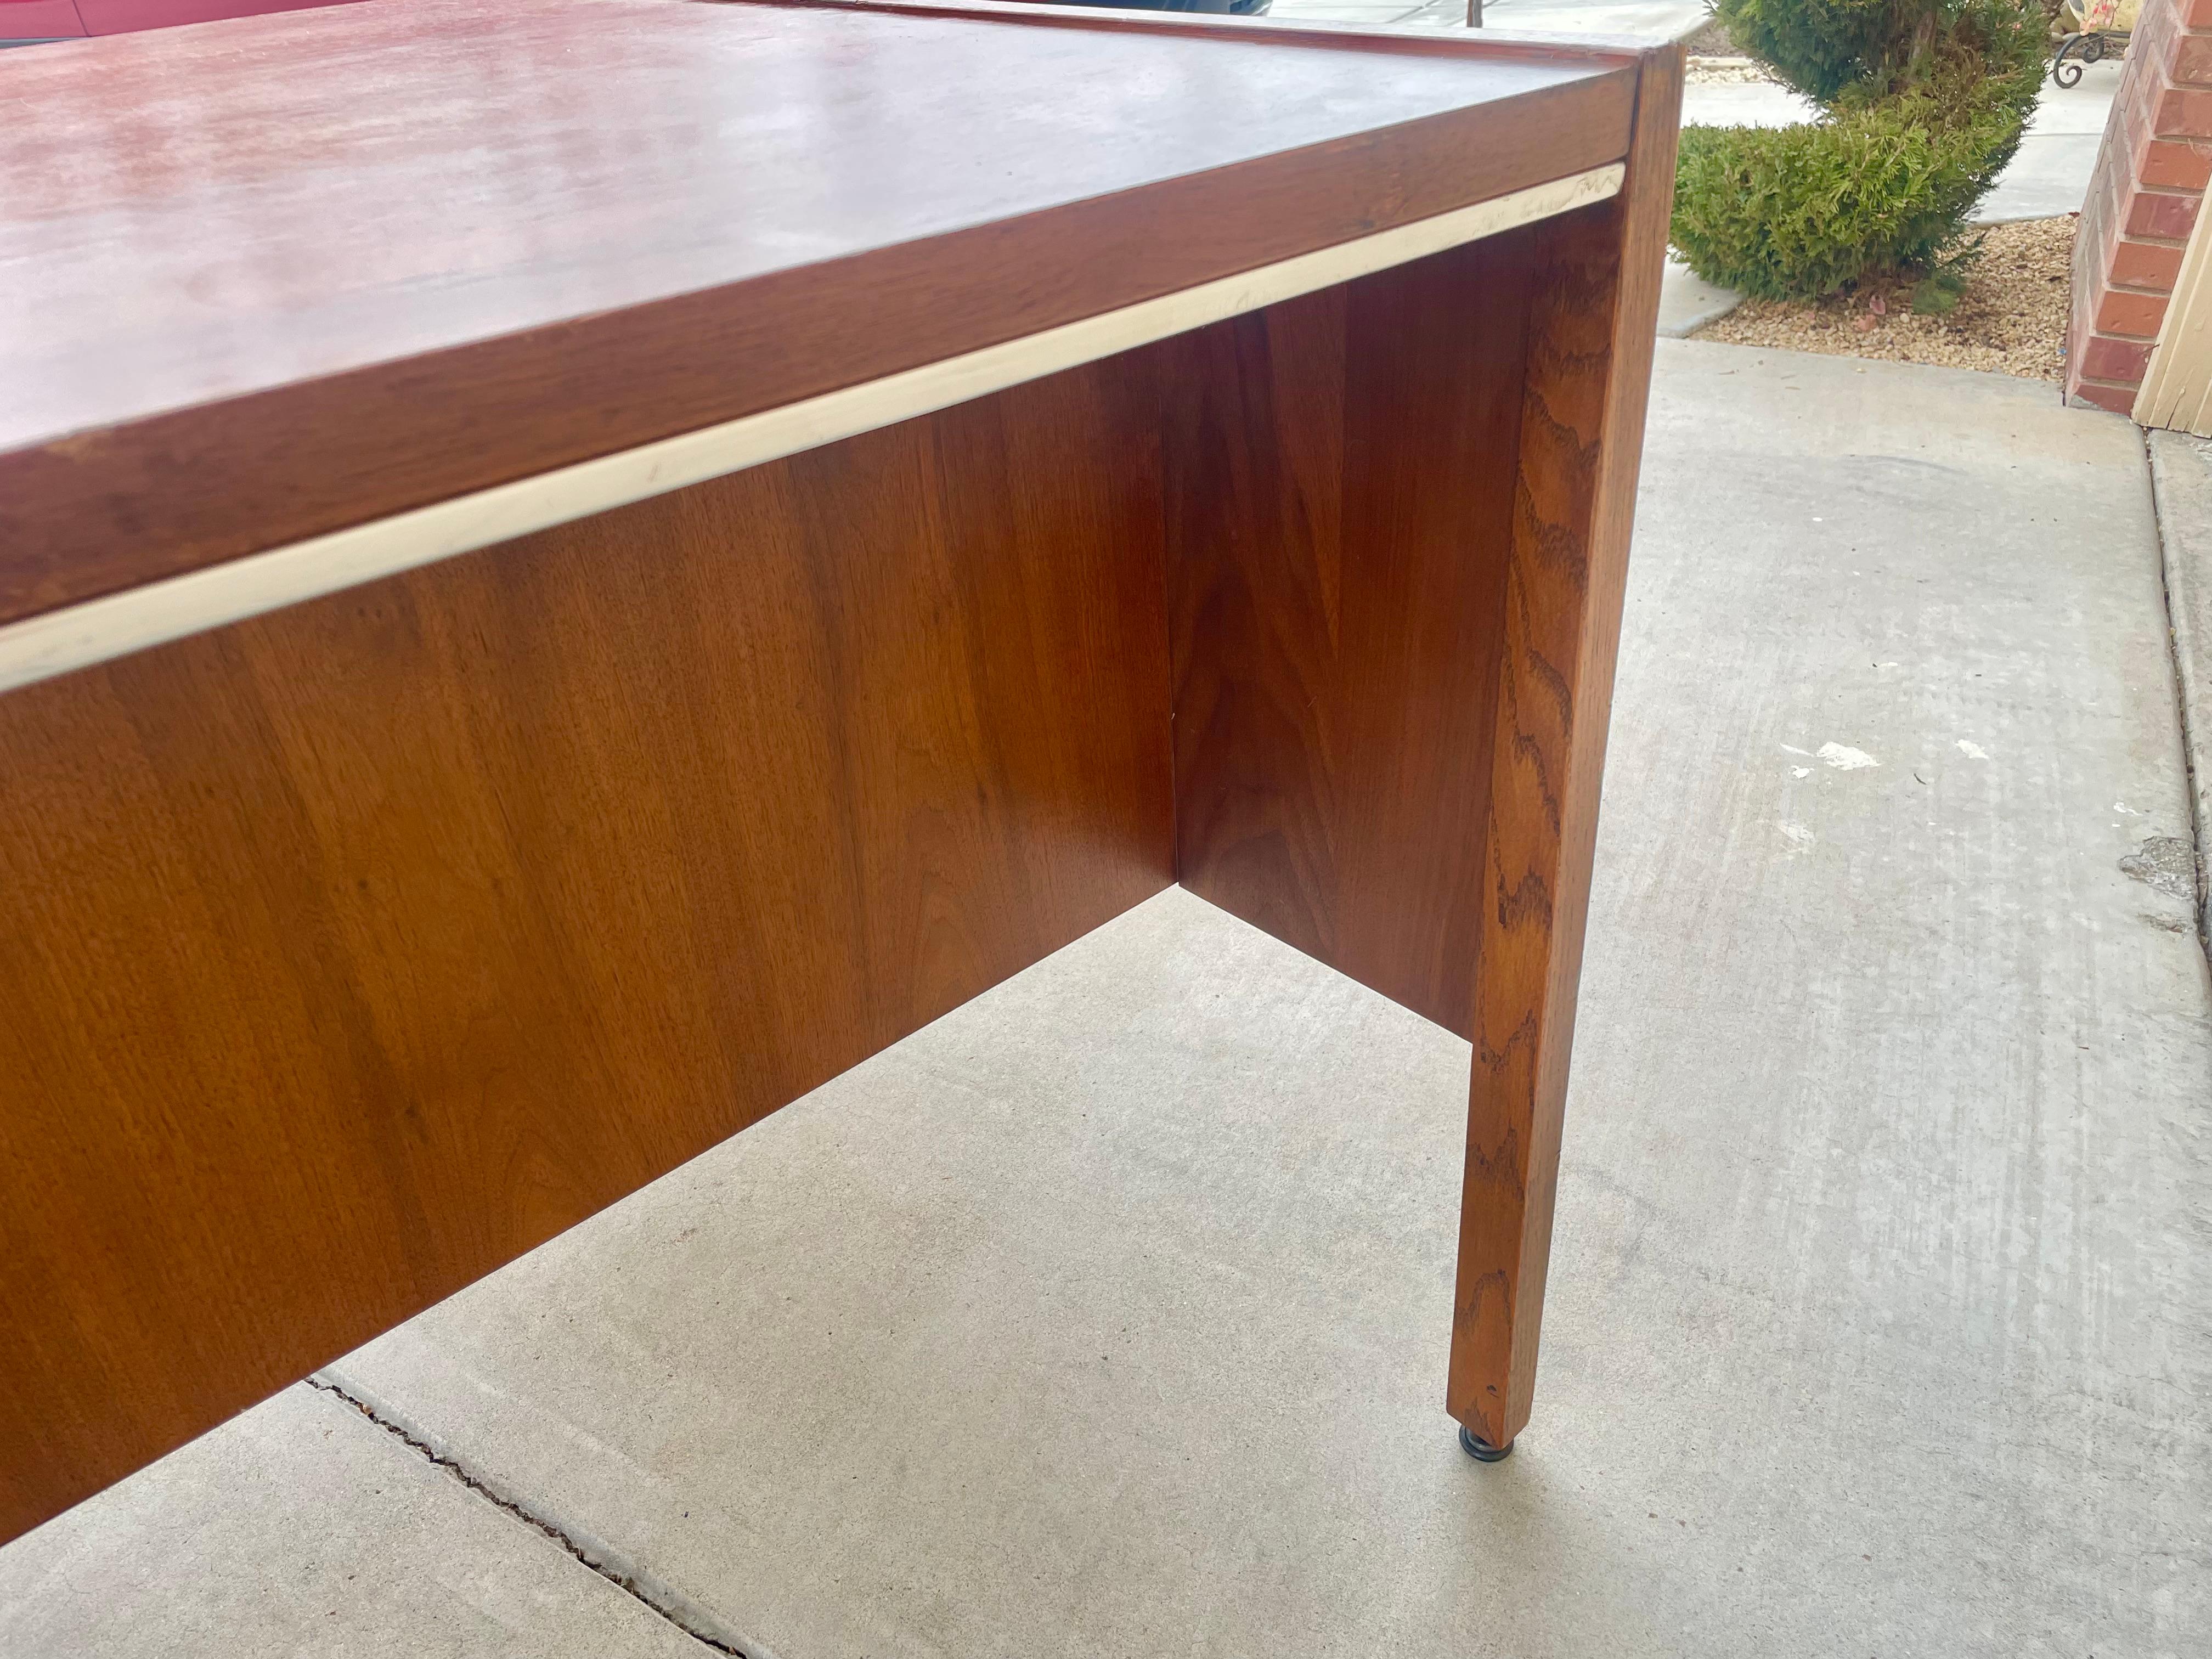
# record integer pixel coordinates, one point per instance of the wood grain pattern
(1591, 333)
(355, 949)
(294, 272)
(1339, 487)
(358, 948)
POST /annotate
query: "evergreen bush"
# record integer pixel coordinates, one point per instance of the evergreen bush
(1923, 105)
(1872, 49)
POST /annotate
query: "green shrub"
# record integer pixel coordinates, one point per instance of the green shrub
(1818, 46)
(1827, 49)
(1924, 101)
(1795, 212)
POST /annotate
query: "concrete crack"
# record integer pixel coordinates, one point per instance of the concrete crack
(662, 1599)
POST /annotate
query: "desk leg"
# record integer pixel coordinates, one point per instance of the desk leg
(1397, 519)
(1591, 324)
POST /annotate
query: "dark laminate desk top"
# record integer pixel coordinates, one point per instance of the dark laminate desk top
(265, 278)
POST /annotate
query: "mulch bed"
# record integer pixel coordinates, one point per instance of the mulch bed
(2010, 320)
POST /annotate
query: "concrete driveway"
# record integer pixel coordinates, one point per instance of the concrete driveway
(1107, 1313)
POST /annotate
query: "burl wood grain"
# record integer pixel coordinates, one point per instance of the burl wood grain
(1339, 478)
(1591, 331)
(348, 953)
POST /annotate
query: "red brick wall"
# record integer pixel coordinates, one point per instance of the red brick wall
(2143, 200)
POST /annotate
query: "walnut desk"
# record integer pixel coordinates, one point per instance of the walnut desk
(569, 571)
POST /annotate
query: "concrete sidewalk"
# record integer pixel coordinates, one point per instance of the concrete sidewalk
(1108, 1315)
(2051, 175)
(1660, 20)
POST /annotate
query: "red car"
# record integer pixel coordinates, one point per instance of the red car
(22, 21)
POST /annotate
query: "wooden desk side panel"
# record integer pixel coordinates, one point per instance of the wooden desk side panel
(1399, 516)
(1339, 496)
(347, 953)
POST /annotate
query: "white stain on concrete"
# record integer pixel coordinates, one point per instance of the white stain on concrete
(1792, 749)
(1973, 750)
(1801, 771)
(1796, 833)
(1845, 758)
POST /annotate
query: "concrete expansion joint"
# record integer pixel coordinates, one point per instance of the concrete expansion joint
(2187, 653)
(661, 1599)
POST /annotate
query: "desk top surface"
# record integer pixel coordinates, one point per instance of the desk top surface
(266, 278)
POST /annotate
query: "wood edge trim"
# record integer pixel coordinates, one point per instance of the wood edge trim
(98, 630)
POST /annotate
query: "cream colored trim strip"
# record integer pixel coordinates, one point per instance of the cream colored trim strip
(2177, 385)
(97, 631)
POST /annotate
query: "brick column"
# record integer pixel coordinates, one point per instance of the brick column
(2143, 199)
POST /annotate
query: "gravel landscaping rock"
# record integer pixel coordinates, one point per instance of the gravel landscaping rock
(1724, 72)
(2010, 320)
